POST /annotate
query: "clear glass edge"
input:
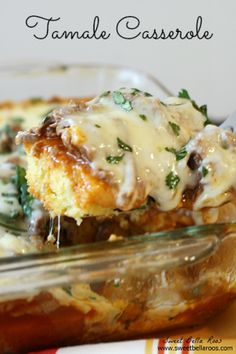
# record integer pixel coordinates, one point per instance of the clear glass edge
(26, 69)
(102, 261)
(191, 232)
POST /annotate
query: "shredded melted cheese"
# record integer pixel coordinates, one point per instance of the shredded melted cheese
(148, 130)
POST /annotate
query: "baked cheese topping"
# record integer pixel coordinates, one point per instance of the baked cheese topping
(129, 138)
(140, 145)
(217, 150)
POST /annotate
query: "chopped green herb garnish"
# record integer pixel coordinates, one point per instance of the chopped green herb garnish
(97, 125)
(205, 171)
(147, 94)
(175, 128)
(114, 160)
(184, 94)
(25, 199)
(105, 94)
(203, 109)
(120, 100)
(127, 106)
(143, 117)
(135, 91)
(172, 180)
(123, 145)
(181, 153)
(173, 150)
(9, 195)
(207, 121)
(178, 154)
(118, 97)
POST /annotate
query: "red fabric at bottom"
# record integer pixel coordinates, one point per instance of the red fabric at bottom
(47, 351)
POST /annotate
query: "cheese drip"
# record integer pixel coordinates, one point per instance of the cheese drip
(217, 149)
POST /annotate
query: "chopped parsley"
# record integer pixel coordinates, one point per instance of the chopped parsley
(123, 145)
(127, 106)
(135, 91)
(181, 153)
(25, 199)
(175, 127)
(203, 109)
(205, 171)
(172, 180)
(147, 94)
(173, 150)
(143, 117)
(184, 94)
(120, 100)
(97, 125)
(114, 160)
(105, 94)
(118, 97)
(9, 195)
(178, 154)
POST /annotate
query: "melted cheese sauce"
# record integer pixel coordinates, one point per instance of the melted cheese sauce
(148, 130)
(217, 149)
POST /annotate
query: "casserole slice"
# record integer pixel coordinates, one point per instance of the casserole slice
(113, 152)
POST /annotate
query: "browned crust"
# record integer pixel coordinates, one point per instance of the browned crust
(89, 190)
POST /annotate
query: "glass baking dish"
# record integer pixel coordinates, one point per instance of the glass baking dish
(108, 291)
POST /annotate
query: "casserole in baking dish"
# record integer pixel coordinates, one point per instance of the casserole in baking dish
(90, 291)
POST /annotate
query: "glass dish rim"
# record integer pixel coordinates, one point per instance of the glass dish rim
(110, 260)
(31, 67)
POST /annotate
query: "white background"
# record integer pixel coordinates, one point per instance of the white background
(206, 68)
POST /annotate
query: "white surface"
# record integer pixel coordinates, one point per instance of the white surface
(137, 347)
(206, 68)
